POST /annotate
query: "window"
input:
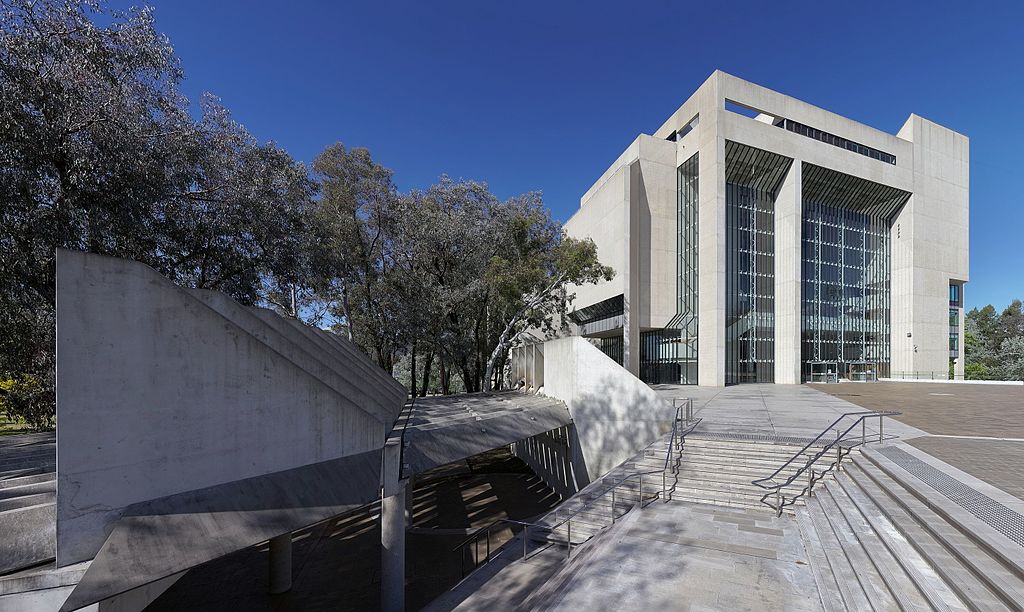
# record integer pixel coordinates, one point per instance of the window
(954, 295)
(832, 139)
(954, 317)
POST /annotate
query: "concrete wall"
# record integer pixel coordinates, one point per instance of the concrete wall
(930, 246)
(630, 213)
(615, 414)
(158, 394)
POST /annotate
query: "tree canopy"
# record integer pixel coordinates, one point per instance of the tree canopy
(99, 151)
(994, 343)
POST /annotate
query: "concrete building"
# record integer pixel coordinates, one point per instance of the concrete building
(758, 238)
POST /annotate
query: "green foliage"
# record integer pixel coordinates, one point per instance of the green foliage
(994, 343)
(27, 398)
(98, 152)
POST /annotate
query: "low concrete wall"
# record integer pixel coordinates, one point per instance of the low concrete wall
(555, 456)
(615, 413)
(27, 533)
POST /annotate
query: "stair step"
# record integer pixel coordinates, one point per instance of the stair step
(871, 583)
(828, 589)
(901, 586)
(996, 576)
(933, 586)
(961, 579)
(850, 588)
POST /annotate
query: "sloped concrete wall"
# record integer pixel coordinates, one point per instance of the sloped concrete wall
(615, 413)
(158, 394)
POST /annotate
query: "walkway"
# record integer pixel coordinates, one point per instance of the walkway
(799, 411)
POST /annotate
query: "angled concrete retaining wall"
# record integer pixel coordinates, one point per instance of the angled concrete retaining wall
(615, 414)
(161, 391)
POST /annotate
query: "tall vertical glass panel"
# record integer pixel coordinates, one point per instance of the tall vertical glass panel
(845, 255)
(669, 355)
(753, 177)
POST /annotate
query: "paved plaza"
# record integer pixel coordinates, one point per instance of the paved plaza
(954, 409)
(976, 428)
(682, 556)
(799, 411)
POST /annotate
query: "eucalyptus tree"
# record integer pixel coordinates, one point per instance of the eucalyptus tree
(99, 152)
(531, 278)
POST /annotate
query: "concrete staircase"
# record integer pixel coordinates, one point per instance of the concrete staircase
(721, 471)
(28, 494)
(879, 539)
(594, 508)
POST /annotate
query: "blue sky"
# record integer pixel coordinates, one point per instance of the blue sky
(544, 96)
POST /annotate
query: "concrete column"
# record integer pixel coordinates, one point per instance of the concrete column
(281, 564)
(392, 529)
(788, 220)
(410, 500)
(631, 273)
(392, 555)
(711, 252)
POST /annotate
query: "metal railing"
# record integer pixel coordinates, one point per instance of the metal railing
(675, 441)
(842, 446)
(404, 443)
(475, 538)
(924, 375)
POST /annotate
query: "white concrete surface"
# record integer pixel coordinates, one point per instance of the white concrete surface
(615, 414)
(158, 394)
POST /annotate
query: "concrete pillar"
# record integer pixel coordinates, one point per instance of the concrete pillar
(788, 224)
(410, 500)
(392, 529)
(711, 262)
(392, 555)
(631, 272)
(281, 564)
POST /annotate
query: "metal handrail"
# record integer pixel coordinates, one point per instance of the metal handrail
(403, 443)
(768, 483)
(676, 434)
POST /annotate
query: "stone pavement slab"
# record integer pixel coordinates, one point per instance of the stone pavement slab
(683, 556)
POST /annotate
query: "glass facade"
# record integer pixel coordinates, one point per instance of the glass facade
(670, 355)
(753, 177)
(845, 293)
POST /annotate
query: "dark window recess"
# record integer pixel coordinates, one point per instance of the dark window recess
(596, 312)
(837, 141)
(954, 295)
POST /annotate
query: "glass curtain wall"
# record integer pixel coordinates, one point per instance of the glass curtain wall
(670, 355)
(845, 293)
(753, 178)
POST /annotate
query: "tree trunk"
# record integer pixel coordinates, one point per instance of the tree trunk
(412, 371)
(347, 310)
(445, 376)
(426, 374)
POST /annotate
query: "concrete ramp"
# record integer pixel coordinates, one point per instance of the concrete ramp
(190, 426)
(448, 428)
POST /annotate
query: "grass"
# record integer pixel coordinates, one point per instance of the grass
(9, 427)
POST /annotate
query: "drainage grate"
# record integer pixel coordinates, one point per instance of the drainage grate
(751, 437)
(1004, 520)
